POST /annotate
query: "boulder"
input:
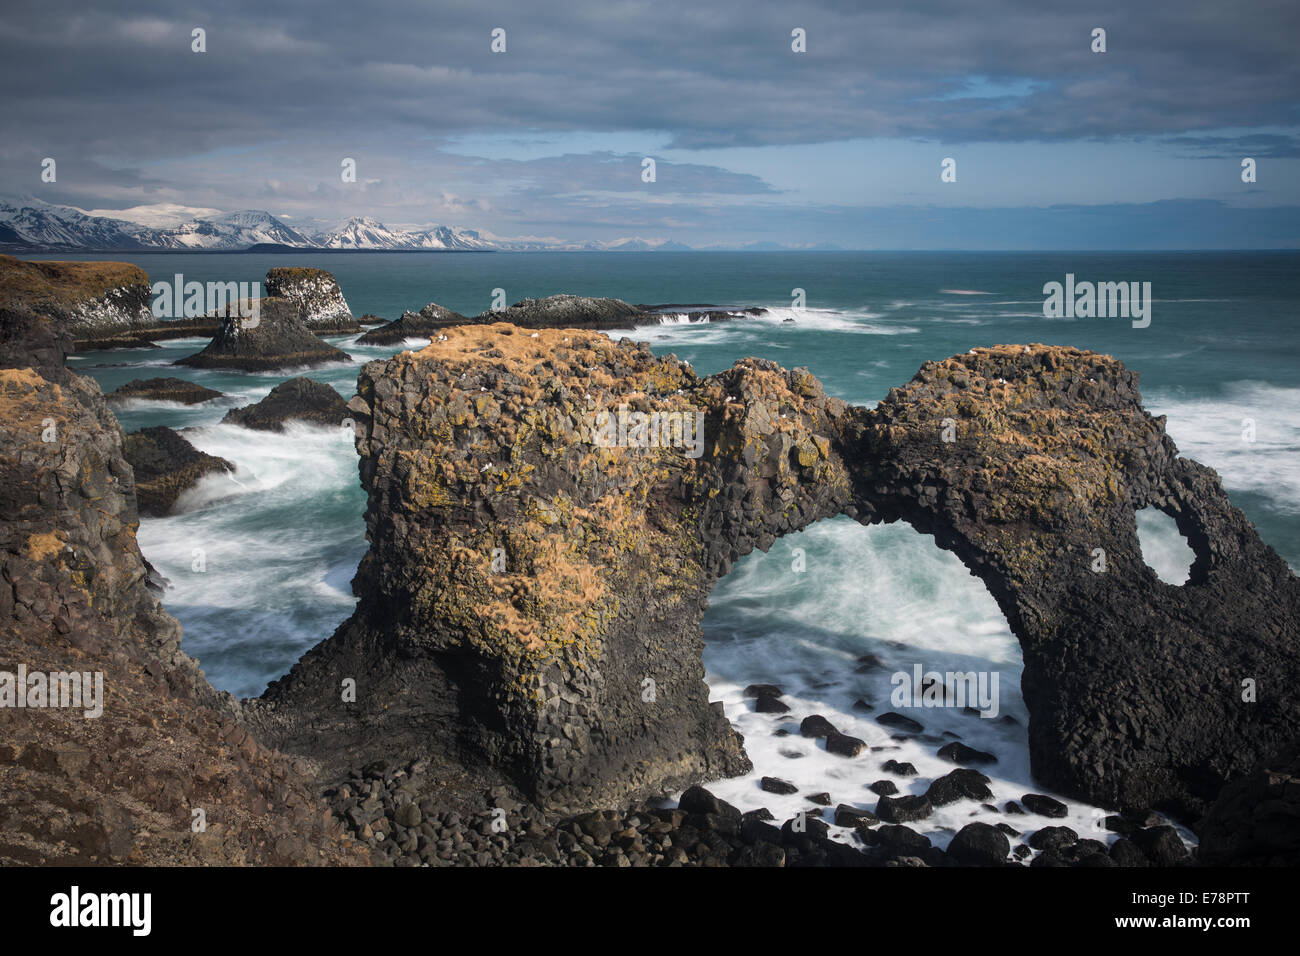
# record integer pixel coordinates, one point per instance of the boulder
(297, 399)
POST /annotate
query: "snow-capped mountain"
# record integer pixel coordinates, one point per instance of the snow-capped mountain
(30, 225)
(234, 230)
(363, 232)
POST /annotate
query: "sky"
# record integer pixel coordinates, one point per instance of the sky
(1054, 145)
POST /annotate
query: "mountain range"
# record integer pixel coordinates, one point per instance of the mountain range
(31, 225)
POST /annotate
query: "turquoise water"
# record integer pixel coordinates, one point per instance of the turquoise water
(280, 546)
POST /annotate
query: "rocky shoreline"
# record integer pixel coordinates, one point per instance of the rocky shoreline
(526, 578)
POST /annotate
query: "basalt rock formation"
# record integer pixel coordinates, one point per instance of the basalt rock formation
(89, 299)
(298, 399)
(165, 467)
(317, 292)
(567, 312)
(121, 787)
(545, 529)
(164, 390)
(423, 324)
(275, 338)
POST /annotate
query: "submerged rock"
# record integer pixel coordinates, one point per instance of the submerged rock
(164, 390)
(276, 339)
(298, 399)
(165, 466)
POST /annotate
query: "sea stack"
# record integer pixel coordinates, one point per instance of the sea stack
(298, 399)
(276, 338)
(320, 300)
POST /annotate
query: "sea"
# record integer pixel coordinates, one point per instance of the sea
(260, 563)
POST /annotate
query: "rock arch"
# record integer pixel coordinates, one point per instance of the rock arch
(529, 608)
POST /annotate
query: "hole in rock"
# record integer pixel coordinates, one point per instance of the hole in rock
(1164, 548)
(841, 639)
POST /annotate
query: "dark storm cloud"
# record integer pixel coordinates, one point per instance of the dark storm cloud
(119, 78)
(285, 89)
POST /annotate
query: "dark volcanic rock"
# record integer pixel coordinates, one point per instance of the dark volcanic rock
(902, 769)
(1053, 838)
(276, 338)
(961, 784)
(117, 788)
(1161, 845)
(899, 722)
(762, 690)
(424, 324)
(777, 785)
(903, 809)
(487, 440)
(884, 788)
(1256, 820)
(979, 844)
(1043, 805)
(164, 390)
(844, 745)
(956, 752)
(771, 704)
(298, 399)
(165, 466)
(568, 312)
(816, 726)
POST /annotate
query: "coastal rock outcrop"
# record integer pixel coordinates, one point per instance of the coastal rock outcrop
(90, 299)
(164, 390)
(275, 339)
(548, 511)
(166, 466)
(119, 778)
(423, 324)
(567, 312)
(298, 399)
(317, 292)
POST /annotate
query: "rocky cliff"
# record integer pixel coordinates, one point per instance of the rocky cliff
(166, 773)
(90, 299)
(545, 531)
(318, 295)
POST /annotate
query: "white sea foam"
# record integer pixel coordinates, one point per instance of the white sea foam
(1214, 431)
(887, 591)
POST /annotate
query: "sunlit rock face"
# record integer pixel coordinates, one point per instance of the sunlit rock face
(549, 510)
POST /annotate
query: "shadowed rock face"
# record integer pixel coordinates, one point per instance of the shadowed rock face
(165, 467)
(120, 787)
(276, 339)
(487, 447)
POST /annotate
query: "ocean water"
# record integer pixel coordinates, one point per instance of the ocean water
(260, 563)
